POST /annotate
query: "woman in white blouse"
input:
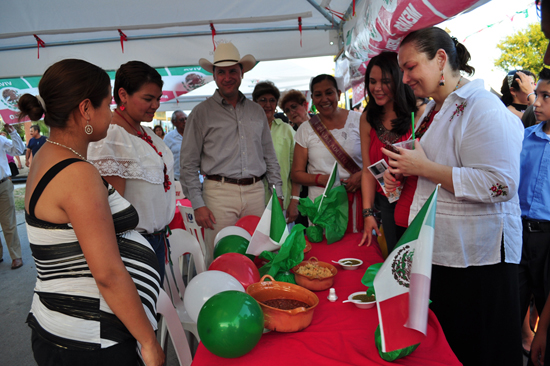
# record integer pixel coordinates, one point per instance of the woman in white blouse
(312, 153)
(133, 159)
(472, 148)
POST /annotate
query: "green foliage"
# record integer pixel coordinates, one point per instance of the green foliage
(523, 50)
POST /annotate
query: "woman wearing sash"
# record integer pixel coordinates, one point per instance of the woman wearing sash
(385, 121)
(332, 135)
(97, 278)
(478, 230)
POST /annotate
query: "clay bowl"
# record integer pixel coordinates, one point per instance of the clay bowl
(315, 283)
(283, 320)
(308, 247)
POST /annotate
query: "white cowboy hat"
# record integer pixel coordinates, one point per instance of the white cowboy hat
(226, 54)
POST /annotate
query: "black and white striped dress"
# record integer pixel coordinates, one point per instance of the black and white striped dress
(67, 308)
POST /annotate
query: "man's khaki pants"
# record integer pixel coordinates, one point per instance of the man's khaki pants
(8, 220)
(229, 202)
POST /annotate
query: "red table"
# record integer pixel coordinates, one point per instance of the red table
(340, 334)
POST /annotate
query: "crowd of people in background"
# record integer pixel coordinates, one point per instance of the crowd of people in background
(490, 156)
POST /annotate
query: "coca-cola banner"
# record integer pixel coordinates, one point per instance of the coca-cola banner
(178, 80)
(380, 25)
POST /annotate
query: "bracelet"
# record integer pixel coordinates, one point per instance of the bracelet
(528, 95)
(295, 198)
(317, 180)
(368, 212)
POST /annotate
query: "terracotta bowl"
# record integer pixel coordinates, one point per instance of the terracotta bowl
(315, 283)
(283, 320)
(308, 247)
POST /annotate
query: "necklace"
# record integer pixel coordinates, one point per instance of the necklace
(68, 148)
(457, 84)
(145, 137)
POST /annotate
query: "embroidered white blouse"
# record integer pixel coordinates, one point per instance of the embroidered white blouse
(320, 160)
(476, 135)
(127, 156)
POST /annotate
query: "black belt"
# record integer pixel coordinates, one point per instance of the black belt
(240, 182)
(535, 226)
(4, 179)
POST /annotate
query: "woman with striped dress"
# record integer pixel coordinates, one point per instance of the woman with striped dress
(97, 279)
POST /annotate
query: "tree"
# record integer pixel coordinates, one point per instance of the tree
(523, 50)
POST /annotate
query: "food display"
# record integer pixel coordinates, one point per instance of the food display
(364, 298)
(273, 295)
(315, 275)
(314, 270)
(350, 263)
(286, 304)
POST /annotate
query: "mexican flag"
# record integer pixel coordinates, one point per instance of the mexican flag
(271, 231)
(402, 284)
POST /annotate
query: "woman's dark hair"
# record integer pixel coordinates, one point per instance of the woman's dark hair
(63, 86)
(158, 126)
(323, 77)
(265, 87)
(430, 40)
(510, 81)
(544, 74)
(292, 95)
(132, 76)
(404, 101)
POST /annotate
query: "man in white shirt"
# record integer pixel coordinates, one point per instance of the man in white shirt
(173, 139)
(8, 220)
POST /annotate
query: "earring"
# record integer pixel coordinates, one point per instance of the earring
(442, 81)
(122, 107)
(88, 129)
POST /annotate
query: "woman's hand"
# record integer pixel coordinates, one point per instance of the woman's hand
(153, 355)
(407, 162)
(353, 183)
(391, 182)
(538, 347)
(292, 211)
(370, 225)
(524, 82)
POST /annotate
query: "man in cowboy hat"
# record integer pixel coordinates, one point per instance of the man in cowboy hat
(227, 138)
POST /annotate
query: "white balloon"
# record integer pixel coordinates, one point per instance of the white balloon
(232, 230)
(204, 286)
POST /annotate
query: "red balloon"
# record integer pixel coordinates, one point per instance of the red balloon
(249, 223)
(238, 266)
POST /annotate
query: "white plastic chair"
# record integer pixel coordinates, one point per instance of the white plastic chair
(178, 190)
(170, 324)
(192, 227)
(181, 242)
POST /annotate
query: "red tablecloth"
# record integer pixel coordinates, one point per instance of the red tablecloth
(340, 334)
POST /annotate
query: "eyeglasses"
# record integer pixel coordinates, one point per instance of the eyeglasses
(183, 119)
(265, 101)
(290, 108)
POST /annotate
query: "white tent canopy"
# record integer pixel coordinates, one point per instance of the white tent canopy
(162, 33)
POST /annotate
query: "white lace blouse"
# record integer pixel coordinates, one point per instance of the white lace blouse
(127, 156)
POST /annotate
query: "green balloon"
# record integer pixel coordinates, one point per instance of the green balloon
(230, 324)
(232, 244)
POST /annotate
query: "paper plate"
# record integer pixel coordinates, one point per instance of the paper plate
(232, 230)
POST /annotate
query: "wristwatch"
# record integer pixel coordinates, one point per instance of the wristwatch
(294, 198)
(368, 212)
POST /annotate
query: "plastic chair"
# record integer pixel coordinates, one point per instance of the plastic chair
(170, 324)
(181, 242)
(192, 227)
(178, 190)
